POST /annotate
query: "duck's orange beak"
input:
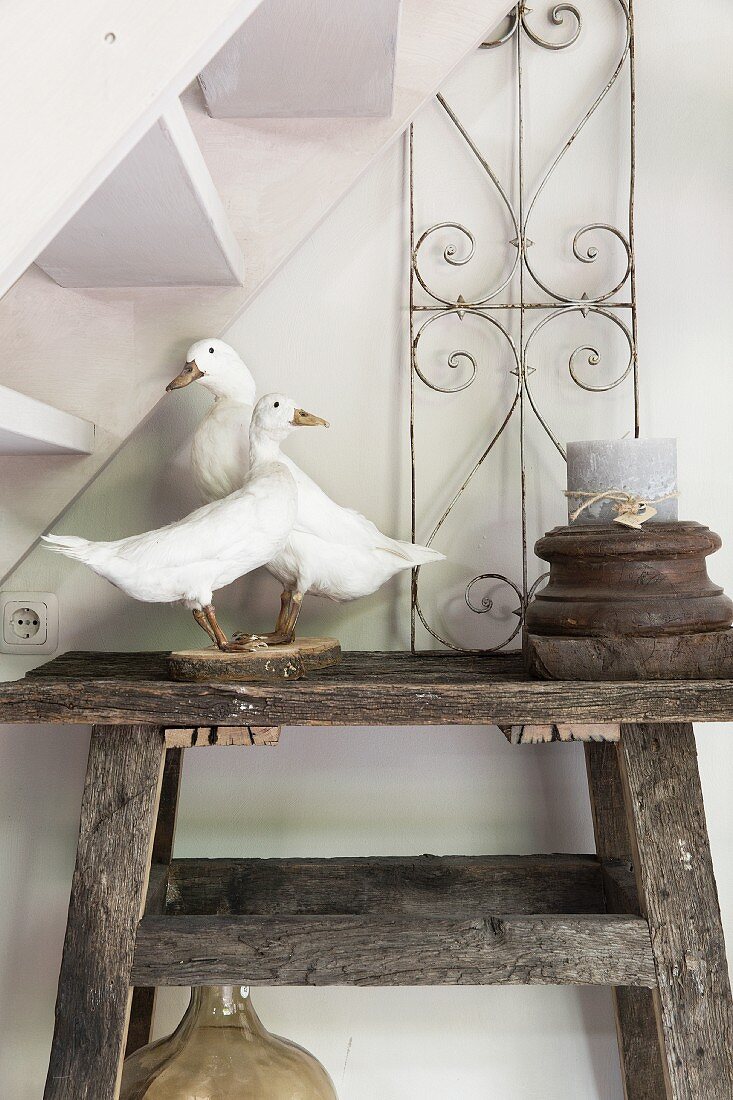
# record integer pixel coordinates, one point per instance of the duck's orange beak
(303, 419)
(189, 374)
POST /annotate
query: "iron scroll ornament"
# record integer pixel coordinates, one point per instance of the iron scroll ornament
(602, 306)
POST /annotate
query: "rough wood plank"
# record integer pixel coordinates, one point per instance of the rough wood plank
(143, 997)
(157, 892)
(371, 950)
(536, 735)
(207, 736)
(431, 665)
(636, 1009)
(365, 689)
(439, 886)
(107, 892)
(679, 897)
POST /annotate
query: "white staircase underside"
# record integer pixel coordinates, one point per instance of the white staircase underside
(307, 59)
(87, 80)
(30, 427)
(157, 220)
(111, 352)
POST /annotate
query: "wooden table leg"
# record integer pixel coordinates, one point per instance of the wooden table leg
(119, 803)
(636, 1013)
(143, 997)
(678, 896)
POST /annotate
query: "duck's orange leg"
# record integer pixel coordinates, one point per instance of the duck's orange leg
(276, 635)
(204, 623)
(286, 632)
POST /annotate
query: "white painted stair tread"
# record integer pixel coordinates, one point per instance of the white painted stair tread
(31, 427)
(118, 68)
(111, 354)
(307, 59)
(258, 165)
(157, 220)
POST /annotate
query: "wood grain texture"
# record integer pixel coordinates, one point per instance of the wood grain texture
(538, 735)
(280, 662)
(684, 657)
(200, 737)
(365, 689)
(342, 950)
(606, 581)
(438, 886)
(107, 893)
(143, 997)
(679, 897)
(636, 1009)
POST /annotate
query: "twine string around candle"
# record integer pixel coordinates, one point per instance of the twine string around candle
(632, 510)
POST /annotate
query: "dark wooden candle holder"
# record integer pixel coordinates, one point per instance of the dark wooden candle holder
(622, 604)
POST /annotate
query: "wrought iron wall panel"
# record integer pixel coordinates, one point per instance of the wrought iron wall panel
(523, 301)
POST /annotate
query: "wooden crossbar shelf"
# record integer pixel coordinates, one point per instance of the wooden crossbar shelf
(417, 886)
(366, 689)
(459, 920)
(493, 950)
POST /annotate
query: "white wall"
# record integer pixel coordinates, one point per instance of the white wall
(330, 329)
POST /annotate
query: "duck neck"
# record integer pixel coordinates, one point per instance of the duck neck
(263, 448)
(232, 385)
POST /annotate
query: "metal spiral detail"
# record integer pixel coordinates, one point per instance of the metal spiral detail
(461, 248)
(556, 16)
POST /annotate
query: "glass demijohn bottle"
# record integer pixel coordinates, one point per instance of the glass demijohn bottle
(221, 1051)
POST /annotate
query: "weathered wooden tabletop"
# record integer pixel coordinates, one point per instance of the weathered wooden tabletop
(365, 689)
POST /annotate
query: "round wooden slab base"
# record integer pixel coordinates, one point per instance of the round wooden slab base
(278, 662)
(706, 656)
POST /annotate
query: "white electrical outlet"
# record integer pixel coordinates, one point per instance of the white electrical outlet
(30, 622)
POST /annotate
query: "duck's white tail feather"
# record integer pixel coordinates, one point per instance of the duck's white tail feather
(415, 554)
(71, 545)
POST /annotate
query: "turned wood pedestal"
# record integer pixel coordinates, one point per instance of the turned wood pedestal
(629, 605)
(640, 915)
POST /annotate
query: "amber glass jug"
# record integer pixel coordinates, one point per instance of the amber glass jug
(221, 1051)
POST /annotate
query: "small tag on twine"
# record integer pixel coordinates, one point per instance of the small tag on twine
(632, 510)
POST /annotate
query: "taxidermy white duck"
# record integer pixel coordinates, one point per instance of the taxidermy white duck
(331, 551)
(220, 448)
(187, 561)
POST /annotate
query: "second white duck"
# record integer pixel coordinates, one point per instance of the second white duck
(187, 561)
(331, 551)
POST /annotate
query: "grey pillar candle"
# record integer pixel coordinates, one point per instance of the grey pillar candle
(646, 468)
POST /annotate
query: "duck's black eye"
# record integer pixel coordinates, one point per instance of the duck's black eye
(276, 405)
(211, 351)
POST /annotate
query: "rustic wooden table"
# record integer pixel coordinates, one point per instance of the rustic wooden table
(641, 915)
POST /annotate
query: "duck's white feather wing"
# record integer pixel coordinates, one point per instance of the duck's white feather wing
(337, 526)
(319, 515)
(209, 548)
